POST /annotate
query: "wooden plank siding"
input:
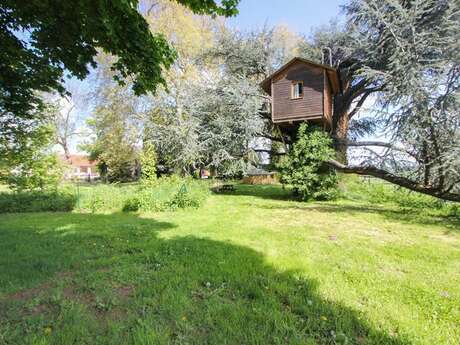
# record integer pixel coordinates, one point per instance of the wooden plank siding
(310, 105)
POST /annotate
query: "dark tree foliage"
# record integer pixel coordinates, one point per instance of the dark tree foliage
(42, 40)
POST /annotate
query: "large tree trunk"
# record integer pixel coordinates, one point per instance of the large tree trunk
(340, 124)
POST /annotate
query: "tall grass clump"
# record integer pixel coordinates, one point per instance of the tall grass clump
(167, 194)
(37, 201)
(103, 197)
(375, 191)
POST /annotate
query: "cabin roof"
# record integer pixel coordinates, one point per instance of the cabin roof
(332, 74)
(79, 160)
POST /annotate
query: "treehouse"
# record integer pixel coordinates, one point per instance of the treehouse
(302, 90)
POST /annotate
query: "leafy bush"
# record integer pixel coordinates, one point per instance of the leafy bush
(61, 201)
(183, 199)
(132, 204)
(303, 168)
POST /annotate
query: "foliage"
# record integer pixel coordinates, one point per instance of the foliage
(148, 161)
(29, 164)
(115, 133)
(218, 122)
(43, 201)
(250, 268)
(304, 169)
(400, 79)
(40, 41)
(214, 119)
(421, 83)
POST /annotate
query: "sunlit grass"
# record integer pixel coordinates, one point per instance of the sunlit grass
(248, 267)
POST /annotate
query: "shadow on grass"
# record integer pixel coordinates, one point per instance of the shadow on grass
(181, 289)
(271, 192)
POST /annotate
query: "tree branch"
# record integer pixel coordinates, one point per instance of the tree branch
(365, 93)
(273, 153)
(380, 144)
(398, 180)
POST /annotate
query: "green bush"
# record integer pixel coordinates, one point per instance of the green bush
(57, 201)
(132, 205)
(304, 169)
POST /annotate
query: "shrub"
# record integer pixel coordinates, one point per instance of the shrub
(57, 201)
(183, 199)
(304, 169)
(132, 205)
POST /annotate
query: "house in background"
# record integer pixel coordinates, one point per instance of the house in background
(80, 167)
(302, 90)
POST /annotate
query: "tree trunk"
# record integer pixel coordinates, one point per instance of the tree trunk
(66, 150)
(340, 123)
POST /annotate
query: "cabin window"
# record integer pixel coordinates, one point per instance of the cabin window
(297, 89)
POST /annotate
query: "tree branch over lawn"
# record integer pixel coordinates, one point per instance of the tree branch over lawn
(398, 180)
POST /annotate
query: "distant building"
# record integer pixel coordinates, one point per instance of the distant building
(260, 176)
(80, 167)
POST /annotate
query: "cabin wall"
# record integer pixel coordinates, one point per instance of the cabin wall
(310, 106)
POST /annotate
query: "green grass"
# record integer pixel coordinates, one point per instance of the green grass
(248, 267)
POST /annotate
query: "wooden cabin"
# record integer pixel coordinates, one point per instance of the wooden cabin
(302, 90)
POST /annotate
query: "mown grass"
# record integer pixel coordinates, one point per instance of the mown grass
(248, 267)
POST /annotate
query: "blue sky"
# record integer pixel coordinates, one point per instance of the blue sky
(300, 15)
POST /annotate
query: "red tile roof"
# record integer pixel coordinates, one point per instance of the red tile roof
(79, 160)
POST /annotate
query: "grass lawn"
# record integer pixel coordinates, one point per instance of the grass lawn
(249, 267)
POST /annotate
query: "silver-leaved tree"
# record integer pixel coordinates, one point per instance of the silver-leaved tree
(404, 56)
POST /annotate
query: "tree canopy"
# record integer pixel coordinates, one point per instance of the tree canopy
(43, 41)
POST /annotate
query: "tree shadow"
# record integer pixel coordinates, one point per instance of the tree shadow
(164, 290)
(270, 192)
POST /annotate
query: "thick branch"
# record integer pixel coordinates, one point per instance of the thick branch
(272, 153)
(398, 180)
(380, 144)
(361, 101)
